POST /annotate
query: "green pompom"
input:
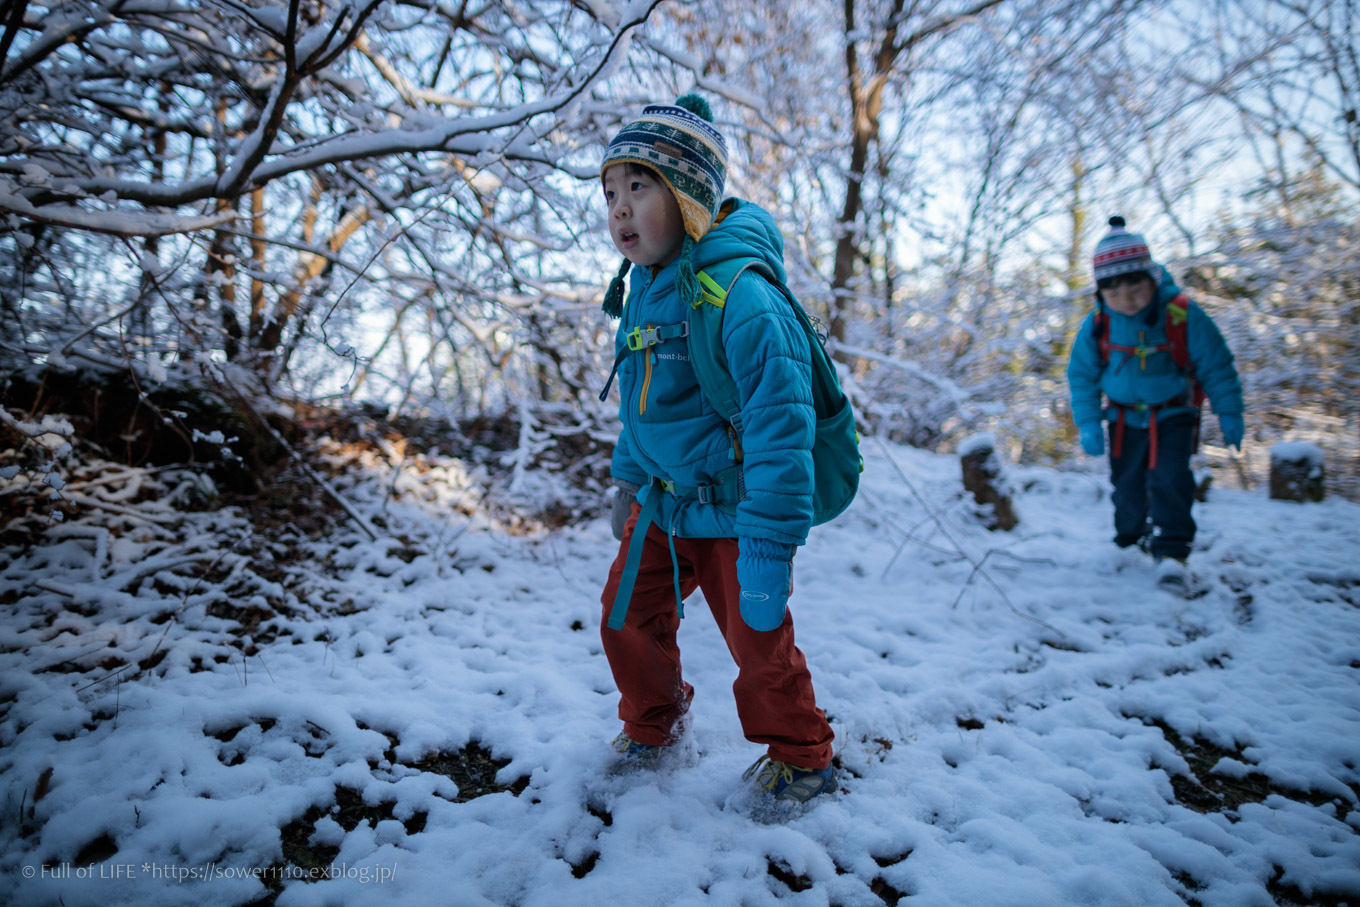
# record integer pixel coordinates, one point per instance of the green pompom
(695, 105)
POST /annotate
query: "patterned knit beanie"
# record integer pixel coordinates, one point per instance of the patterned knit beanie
(678, 143)
(1122, 252)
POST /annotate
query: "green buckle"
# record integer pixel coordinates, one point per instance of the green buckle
(668, 485)
(641, 338)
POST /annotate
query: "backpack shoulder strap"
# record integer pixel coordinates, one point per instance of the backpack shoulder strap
(1100, 328)
(1178, 338)
(706, 354)
(835, 450)
(1177, 318)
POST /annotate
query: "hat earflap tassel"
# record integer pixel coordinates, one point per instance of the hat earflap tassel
(686, 283)
(613, 298)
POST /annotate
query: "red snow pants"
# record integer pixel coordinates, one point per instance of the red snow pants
(775, 701)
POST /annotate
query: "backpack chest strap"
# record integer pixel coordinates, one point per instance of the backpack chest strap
(641, 338)
(644, 338)
(1141, 350)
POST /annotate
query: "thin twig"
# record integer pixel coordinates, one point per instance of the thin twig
(131, 512)
(121, 476)
(977, 564)
(909, 535)
(108, 676)
(978, 571)
(92, 648)
(320, 480)
(1042, 561)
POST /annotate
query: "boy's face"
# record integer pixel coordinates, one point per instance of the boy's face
(1128, 294)
(644, 219)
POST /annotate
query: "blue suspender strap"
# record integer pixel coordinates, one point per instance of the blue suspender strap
(619, 610)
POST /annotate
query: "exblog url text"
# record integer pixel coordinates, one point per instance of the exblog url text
(209, 872)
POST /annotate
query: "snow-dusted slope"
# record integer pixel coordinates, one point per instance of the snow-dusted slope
(1051, 730)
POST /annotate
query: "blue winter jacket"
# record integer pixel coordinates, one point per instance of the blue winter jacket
(1124, 380)
(670, 431)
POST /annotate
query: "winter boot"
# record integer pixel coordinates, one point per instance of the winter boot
(789, 782)
(633, 751)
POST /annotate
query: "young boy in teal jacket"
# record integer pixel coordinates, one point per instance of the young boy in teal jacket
(1151, 352)
(663, 177)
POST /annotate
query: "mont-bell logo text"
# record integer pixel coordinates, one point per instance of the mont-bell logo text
(756, 596)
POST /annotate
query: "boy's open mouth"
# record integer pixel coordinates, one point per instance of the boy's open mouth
(626, 236)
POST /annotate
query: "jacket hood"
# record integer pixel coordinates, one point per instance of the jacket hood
(747, 230)
(1167, 289)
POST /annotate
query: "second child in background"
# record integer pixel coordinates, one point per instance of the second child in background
(1152, 354)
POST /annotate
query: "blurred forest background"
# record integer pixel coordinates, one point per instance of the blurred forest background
(226, 225)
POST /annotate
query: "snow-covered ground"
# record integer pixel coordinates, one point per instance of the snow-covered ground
(1052, 730)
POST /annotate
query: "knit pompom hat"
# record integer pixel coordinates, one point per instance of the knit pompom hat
(1122, 252)
(678, 143)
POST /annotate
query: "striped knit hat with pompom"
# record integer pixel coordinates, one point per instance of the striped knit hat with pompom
(1122, 252)
(677, 142)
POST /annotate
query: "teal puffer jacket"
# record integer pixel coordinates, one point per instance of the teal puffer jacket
(669, 430)
(1131, 383)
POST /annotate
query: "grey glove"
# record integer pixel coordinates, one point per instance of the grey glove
(625, 494)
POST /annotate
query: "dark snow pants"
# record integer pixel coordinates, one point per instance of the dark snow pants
(773, 689)
(1165, 494)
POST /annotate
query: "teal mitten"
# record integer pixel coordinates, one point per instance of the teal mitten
(764, 570)
(1234, 429)
(1092, 438)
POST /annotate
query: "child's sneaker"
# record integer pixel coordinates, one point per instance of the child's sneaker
(1175, 577)
(629, 748)
(789, 782)
(1172, 574)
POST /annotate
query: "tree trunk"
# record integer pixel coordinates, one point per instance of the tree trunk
(866, 103)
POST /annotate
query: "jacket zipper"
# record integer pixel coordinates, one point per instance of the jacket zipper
(646, 381)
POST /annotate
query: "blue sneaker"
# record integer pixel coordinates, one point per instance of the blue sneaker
(628, 747)
(789, 782)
